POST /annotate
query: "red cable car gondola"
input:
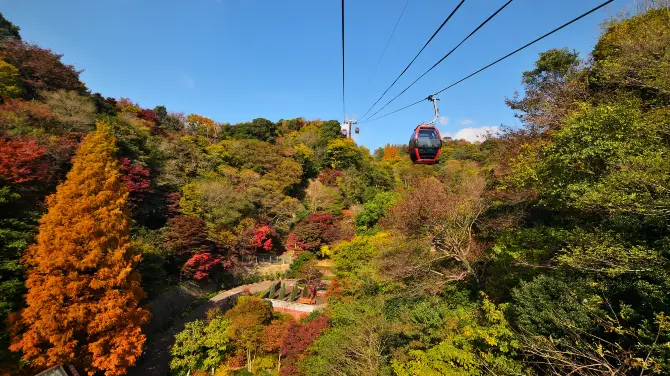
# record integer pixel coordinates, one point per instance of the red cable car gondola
(425, 144)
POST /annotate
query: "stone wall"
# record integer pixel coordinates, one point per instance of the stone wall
(297, 310)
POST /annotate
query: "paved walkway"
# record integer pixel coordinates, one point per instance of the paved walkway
(156, 359)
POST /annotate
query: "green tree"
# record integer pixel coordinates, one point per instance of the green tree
(548, 82)
(216, 201)
(631, 57)
(343, 153)
(478, 341)
(303, 257)
(8, 31)
(171, 122)
(375, 209)
(187, 351)
(339, 352)
(202, 345)
(17, 230)
(573, 327)
(353, 184)
(260, 129)
(354, 260)
(322, 198)
(582, 165)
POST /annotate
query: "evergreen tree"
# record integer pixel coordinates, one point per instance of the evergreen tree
(294, 293)
(271, 292)
(83, 290)
(8, 31)
(282, 291)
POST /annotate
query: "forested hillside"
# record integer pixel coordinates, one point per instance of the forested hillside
(543, 250)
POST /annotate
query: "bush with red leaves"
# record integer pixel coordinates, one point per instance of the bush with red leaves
(137, 180)
(186, 233)
(148, 115)
(329, 176)
(201, 265)
(263, 238)
(297, 341)
(314, 231)
(172, 203)
(22, 161)
(295, 243)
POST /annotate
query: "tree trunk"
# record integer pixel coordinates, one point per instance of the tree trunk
(279, 362)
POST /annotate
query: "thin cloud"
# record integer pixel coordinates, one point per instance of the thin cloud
(475, 134)
(444, 120)
(466, 122)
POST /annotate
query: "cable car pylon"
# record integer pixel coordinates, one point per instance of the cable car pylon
(347, 132)
(425, 143)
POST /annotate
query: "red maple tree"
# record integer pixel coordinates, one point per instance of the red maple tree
(297, 340)
(186, 233)
(200, 265)
(172, 203)
(275, 334)
(137, 180)
(313, 231)
(148, 115)
(262, 237)
(329, 176)
(22, 161)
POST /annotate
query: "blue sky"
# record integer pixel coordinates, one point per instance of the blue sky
(235, 60)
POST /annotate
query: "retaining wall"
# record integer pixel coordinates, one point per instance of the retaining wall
(297, 310)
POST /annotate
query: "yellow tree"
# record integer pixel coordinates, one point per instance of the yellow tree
(203, 126)
(391, 152)
(9, 80)
(82, 305)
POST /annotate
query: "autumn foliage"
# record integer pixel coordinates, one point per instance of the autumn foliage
(314, 231)
(22, 161)
(40, 68)
(247, 323)
(262, 237)
(297, 340)
(391, 152)
(138, 182)
(186, 233)
(148, 115)
(28, 113)
(82, 305)
(329, 176)
(200, 265)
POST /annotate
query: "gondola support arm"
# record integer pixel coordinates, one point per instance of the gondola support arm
(433, 99)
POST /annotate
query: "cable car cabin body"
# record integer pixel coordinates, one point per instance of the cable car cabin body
(425, 145)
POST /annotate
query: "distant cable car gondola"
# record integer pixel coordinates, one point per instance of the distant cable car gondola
(426, 143)
(357, 131)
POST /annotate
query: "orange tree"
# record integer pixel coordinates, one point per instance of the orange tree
(82, 305)
(247, 322)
